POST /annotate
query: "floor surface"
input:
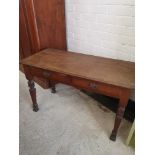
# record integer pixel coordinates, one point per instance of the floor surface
(68, 123)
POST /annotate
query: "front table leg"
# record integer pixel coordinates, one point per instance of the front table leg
(120, 113)
(32, 91)
(118, 119)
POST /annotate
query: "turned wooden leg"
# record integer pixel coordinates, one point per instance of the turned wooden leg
(119, 117)
(124, 96)
(53, 89)
(32, 91)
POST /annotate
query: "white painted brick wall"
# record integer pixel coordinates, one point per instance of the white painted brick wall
(101, 27)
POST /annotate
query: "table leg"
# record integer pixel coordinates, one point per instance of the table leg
(119, 116)
(32, 91)
(120, 113)
(53, 89)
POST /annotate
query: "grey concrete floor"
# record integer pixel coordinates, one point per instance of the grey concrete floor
(68, 123)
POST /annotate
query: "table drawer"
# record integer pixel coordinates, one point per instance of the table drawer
(50, 75)
(96, 87)
(40, 72)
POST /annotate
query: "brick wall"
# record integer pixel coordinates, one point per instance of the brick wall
(101, 27)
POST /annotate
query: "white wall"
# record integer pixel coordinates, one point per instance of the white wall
(101, 27)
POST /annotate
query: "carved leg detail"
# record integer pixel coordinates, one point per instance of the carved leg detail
(32, 91)
(119, 116)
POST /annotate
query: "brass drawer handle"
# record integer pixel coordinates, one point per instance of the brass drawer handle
(93, 85)
(46, 74)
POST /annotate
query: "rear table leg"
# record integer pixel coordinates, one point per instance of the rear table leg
(53, 89)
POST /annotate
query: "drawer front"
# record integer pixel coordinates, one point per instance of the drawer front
(96, 87)
(40, 72)
(51, 75)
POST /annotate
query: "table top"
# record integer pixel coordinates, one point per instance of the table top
(110, 71)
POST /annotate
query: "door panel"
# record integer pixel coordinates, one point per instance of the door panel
(42, 25)
(50, 18)
(24, 42)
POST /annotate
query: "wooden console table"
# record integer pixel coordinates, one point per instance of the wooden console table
(97, 74)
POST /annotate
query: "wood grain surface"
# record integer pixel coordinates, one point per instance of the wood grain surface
(115, 72)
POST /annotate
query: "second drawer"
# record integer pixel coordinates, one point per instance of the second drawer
(96, 87)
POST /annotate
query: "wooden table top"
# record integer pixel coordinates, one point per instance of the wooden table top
(115, 72)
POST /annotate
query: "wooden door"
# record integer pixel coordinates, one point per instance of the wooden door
(42, 25)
